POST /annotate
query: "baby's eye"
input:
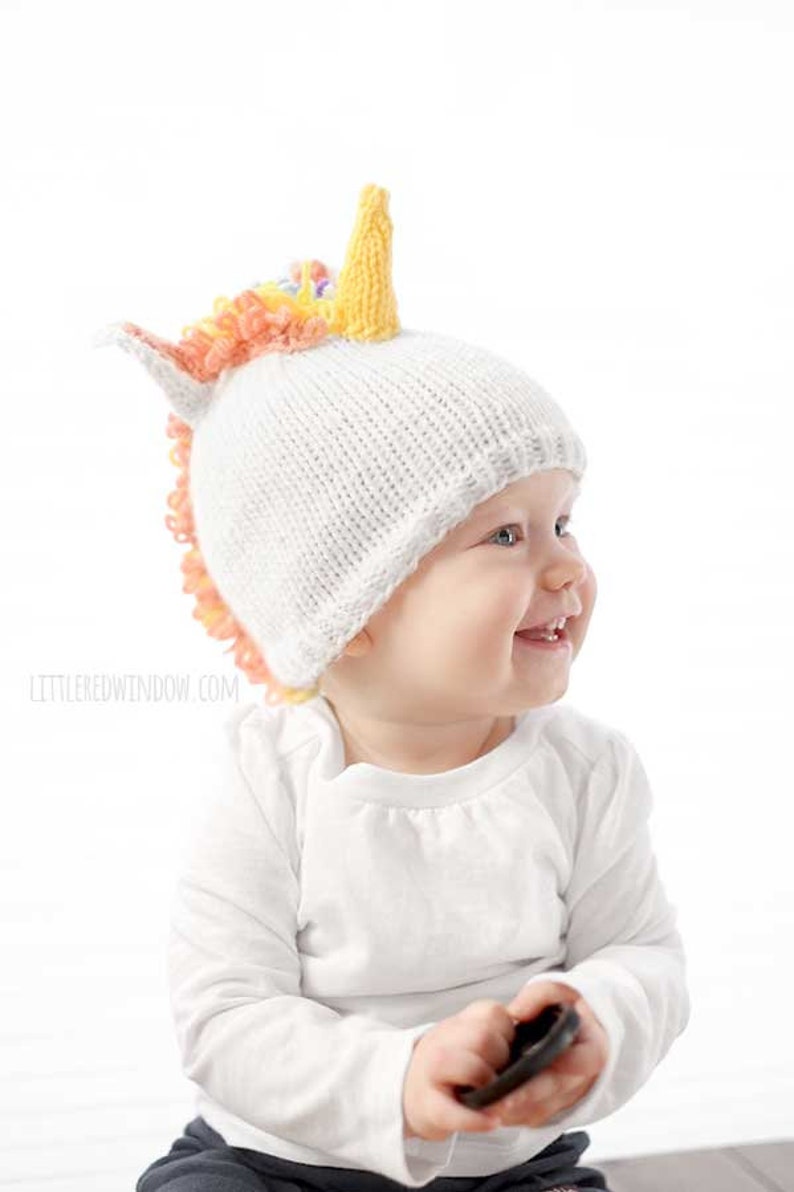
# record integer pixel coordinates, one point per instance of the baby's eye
(564, 520)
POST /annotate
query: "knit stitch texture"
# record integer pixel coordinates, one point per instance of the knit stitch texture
(330, 450)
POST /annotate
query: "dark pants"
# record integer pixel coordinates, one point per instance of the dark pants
(200, 1161)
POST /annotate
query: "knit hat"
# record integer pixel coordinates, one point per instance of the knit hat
(325, 450)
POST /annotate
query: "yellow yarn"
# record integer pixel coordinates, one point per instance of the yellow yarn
(299, 695)
(365, 306)
(304, 294)
(270, 295)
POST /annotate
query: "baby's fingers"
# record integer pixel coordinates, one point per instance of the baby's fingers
(539, 1100)
(580, 1059)
(584, 1058)
(454, 1117)
(461, 1068)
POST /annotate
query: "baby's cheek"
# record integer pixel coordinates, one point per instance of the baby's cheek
(591, 584)
(587, 592)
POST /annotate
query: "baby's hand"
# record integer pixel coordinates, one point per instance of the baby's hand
(467, 1049)
(570, 1076)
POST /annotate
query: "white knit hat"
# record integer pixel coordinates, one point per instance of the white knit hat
(330, 450)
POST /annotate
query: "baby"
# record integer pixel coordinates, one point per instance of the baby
(413, 845)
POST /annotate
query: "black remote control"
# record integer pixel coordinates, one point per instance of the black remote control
(536, 1044)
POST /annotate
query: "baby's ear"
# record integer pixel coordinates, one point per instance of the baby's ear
(188, 396)
(360, 644)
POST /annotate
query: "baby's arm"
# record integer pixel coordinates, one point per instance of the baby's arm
(284, 1063)
(624, 953)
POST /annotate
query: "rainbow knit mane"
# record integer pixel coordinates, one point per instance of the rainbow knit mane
(289, 315)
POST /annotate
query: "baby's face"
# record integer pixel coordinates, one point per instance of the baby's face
(445, 643)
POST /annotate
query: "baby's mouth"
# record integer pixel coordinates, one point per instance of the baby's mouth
(535, 637)
(544, 633)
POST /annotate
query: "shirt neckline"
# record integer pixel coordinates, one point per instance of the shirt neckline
(371, 783)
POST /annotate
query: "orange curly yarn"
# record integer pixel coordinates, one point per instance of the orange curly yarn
(256, 321)
(211, 610)
(265, 319)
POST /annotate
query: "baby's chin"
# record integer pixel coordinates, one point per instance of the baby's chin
(540, 681)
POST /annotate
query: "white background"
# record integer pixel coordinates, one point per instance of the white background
(602, 192)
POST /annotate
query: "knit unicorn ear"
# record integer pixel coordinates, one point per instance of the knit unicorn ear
(188, 396)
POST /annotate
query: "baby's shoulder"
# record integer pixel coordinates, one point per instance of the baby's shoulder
(581, 740)
(255, 744)
(245, 718)
(254, 728)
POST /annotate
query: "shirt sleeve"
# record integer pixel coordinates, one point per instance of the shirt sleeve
(284, 1063)
(624, 953)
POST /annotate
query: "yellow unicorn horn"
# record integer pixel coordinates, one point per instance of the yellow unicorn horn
(364, 305)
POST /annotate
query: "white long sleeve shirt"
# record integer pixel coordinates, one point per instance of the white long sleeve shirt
(327, 916)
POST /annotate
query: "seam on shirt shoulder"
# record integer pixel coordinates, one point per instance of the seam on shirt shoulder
(605, 735)
(248, 718)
